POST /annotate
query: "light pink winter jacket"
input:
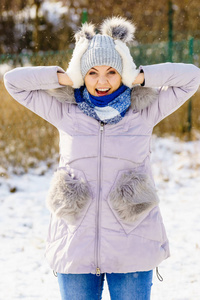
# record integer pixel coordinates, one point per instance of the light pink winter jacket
(105, 213)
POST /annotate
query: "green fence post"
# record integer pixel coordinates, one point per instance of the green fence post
(170, 31)
(191, 49)
(189, 120)
(84, 17)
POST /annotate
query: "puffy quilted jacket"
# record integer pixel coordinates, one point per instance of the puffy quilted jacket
(105, 210)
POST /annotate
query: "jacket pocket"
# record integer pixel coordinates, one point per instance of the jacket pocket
(69, 196)
(132, 197)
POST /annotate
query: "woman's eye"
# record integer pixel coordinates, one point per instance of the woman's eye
(112, 72)
(92, 73)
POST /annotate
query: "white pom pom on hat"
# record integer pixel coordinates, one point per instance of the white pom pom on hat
(118, 28)
(86, 31)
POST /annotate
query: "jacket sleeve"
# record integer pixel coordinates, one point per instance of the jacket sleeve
(177, 82)
(27, 85)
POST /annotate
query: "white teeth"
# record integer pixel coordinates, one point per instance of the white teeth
(102, 90)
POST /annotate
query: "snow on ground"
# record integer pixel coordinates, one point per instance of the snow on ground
(24, 223)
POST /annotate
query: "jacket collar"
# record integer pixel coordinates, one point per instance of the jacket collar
(141, 97)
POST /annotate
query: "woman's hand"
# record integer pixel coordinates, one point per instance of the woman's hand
(64, 79)
(129, 72)
(139, 79)
(74, 68)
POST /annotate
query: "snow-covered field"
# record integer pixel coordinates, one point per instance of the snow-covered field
(24, 223)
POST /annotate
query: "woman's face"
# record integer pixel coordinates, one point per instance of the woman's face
(102, 80)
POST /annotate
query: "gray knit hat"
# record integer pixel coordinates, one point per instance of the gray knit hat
(101, 51)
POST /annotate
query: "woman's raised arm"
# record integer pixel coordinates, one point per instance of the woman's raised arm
(28, 86)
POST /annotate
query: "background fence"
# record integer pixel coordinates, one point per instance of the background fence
(187, 51)
(26, 139)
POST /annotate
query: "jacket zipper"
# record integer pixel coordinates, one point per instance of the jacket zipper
(98, 270)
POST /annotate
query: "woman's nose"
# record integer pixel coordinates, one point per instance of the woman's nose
(102, 79)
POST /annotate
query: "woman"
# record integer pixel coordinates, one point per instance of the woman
(105, 211)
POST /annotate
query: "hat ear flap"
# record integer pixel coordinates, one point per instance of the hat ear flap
(118, 28)
(86, 31)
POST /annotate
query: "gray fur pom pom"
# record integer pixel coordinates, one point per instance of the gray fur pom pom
(68, 196)
(142, 97)
(118, 28)
(133, 196)
(64, 94)
(86, 31)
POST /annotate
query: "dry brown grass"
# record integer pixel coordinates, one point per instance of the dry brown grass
(177, 123)
(26, 139)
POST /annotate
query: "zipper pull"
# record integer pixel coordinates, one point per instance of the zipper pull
(101, 126)
(98, 271)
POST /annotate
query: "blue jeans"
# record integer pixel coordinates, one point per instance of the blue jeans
(128, 286)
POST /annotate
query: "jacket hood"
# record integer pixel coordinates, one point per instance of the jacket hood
(141, 97)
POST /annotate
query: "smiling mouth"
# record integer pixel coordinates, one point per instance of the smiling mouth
(102, 92)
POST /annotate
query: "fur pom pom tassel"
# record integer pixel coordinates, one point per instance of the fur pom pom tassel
(68, 196)
(133, 196)
(64, 94)
(142, 97)
(86, 31)
(118, 28)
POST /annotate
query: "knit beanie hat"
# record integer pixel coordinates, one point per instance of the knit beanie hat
(101, 48)
(101, 51)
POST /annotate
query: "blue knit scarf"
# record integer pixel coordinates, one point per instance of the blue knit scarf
(109, 109)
